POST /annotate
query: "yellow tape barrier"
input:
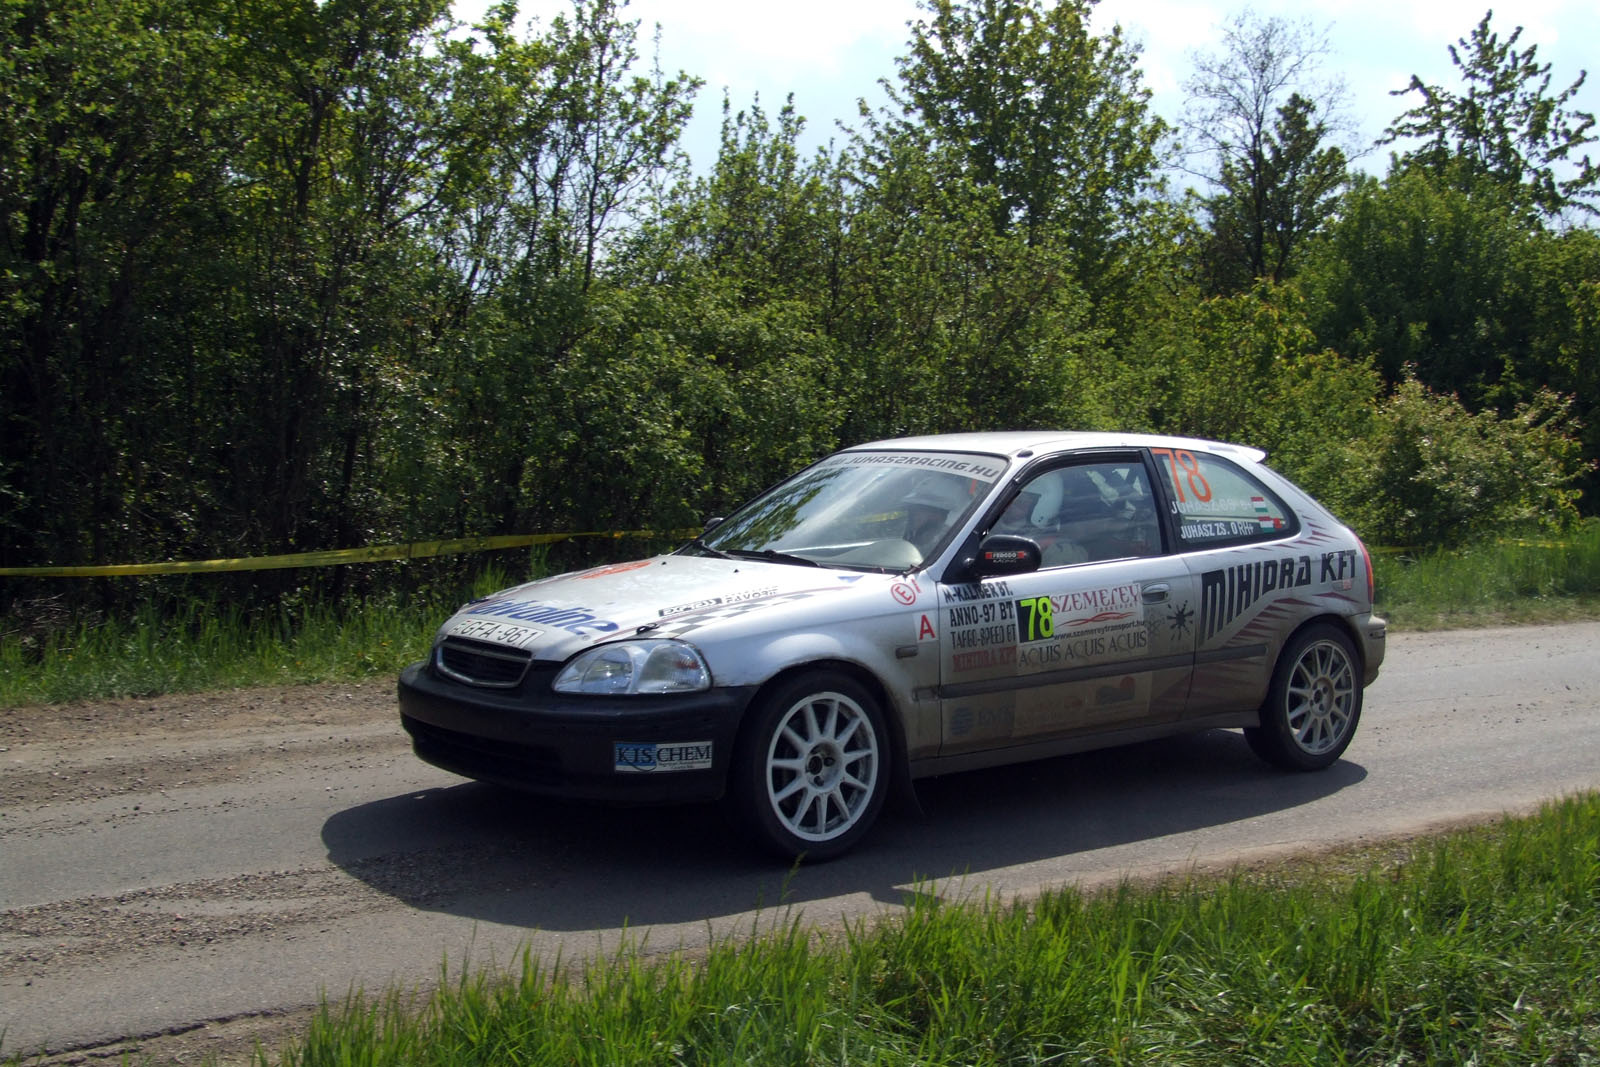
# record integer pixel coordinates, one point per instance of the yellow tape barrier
(1520, 542)
(423, 549)
(374, 554)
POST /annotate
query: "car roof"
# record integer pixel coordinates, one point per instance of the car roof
(1014, 443)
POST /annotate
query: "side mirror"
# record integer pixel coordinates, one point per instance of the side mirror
(711, 524)
(1003, 554)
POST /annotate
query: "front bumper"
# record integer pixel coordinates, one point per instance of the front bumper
(584, 748)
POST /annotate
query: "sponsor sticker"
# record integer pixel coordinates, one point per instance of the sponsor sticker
(648, 757)
(742, 597)
(580, 621)
(615, 568)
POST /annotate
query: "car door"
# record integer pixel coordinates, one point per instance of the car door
(1252, 574)
(1099, 638)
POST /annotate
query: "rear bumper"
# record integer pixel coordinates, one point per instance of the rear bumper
(1374, 635)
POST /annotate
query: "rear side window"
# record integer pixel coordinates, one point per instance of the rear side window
(1216, 502)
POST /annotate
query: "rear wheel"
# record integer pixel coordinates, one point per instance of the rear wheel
(812, 767)
(1314, 703)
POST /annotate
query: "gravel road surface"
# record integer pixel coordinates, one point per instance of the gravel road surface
(187, 875)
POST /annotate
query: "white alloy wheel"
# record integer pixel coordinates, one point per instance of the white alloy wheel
(1314, 702)
(814, 766)
(1321, 697)
(822, 766)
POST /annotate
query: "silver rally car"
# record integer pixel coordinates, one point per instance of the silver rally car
(917, 607)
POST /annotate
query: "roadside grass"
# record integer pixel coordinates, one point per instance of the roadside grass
(197, 644)
(194, 645)
(1542, 577)
(1475, 947)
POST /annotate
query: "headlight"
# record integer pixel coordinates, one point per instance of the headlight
(659, 666)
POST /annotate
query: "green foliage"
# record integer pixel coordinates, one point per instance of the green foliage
(1274, 198)
(1416, 273)
(1450, 287)
(1247, 368)
(1547, 576)
(116, 130)
(1557, 299)
(1025, 101)
(1504, 128)
(956, 324)
(1431, 473)
(290, 275)
(184, 638)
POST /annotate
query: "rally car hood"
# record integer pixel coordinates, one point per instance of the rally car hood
(662, 596)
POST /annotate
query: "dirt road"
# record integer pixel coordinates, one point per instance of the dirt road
(187, 875)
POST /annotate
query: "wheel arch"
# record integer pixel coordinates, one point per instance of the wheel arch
(1344, 625)
(1275, 738)
(898, 747)
(1343, 622)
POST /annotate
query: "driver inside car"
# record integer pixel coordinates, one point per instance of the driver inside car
(1036, 515)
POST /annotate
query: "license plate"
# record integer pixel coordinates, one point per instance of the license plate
(501, 633)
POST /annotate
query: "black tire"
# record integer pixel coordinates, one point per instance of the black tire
(812, 767)
(1314, 703)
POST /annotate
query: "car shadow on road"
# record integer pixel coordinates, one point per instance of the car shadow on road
(486, 853)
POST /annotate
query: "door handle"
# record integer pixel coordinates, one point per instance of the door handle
(1155, 594)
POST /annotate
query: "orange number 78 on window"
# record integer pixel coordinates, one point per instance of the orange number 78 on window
(1199, 488)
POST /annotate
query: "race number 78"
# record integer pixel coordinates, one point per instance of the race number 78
(1199, 488)
(1037, 616)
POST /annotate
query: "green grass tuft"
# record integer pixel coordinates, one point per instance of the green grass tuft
(1541, 578)
(195, 645)
(1478, 949)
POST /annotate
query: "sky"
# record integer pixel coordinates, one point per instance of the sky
(830, 53)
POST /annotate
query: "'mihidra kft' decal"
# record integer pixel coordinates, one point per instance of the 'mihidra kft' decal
(1227, 593)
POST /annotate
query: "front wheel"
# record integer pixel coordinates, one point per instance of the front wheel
(1314, 703)
(812, 767)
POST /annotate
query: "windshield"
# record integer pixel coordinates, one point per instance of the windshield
(869, 510)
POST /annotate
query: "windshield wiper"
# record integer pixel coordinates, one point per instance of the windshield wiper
(700, 546)
(772, 555)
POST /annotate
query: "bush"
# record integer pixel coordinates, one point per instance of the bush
(1431, 473)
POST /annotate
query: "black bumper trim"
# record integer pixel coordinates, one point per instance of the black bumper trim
(563, 746)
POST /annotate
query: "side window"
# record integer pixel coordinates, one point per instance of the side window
(1215, 502)
(1086, 513)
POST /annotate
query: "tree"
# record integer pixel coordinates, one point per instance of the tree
(116, 128)
(1031, 104)
(1505, 128)
(1260, 120)
(563, 141)
(1431, 473)
(1416, 273)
